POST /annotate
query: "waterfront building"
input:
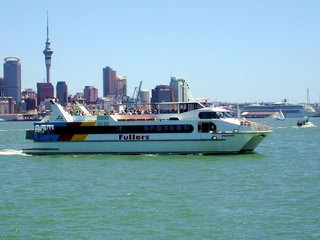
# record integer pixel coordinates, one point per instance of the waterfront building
(47, 53)
(1, 87)
(62, 92)
(30, 104)
(44, 91)
(7, 105)
(107, 104)
(180, 90)
(161, 93)
(79, 97)
(144, 98)
(28, 100)
(90, 94)
(12, 79)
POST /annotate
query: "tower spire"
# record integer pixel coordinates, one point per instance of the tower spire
(48, 52)
(47, 27)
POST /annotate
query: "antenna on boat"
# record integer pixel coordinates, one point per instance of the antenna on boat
(238, 112)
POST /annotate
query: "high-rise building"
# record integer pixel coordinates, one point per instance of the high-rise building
(62, 92)
(109, 81)
(113, 85)
(44, 91)
(180, 90)
(47, 53)
(1, 87)
(12, 79)
(161, 93)
(90, 94)
(121, 86)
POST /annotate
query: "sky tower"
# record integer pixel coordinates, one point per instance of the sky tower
(48, 52)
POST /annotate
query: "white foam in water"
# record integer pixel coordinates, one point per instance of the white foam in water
(150, 155)
(8, 152)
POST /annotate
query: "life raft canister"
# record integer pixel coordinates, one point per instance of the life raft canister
(246, 123)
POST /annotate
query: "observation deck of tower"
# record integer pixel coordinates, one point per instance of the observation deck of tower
(47, 53)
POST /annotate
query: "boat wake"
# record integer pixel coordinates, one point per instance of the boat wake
(9, 152)
(305, 126)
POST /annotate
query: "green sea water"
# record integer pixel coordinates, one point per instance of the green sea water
(271, 194)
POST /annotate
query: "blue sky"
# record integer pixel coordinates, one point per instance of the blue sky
(228, 50)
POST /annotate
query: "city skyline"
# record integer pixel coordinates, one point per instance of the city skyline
(227, 51)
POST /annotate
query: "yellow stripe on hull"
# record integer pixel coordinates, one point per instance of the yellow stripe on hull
(79, 137)
(88, 124)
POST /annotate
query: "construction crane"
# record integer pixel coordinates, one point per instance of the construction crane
(134, 93)
(138, 93)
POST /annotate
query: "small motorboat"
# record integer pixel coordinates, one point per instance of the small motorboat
(305, 123)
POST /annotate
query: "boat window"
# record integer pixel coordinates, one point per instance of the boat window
(208, 115)
(44, 129)
(224, 115)
(194, 106)
(151, 129)
(228, 115)
(70, 130)
(173, 118)
(183, 107)
(205, 127)
(168, 108)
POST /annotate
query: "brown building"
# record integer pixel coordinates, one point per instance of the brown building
(161, 93)
(44, 91)
(113, 85)
(90, 94)
(109, 81)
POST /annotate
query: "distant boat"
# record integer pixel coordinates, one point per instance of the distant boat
(2, 120)
(281, 116)
(305, 124)
(290, 110)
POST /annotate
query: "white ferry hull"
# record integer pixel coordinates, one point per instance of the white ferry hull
(194, 129)
(217, 144)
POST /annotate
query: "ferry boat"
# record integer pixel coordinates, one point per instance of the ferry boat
(177, 128)
(271, 109)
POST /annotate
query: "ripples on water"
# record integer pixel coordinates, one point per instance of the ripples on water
(271, 194)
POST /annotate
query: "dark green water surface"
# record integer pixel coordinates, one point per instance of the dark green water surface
(271, 194)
